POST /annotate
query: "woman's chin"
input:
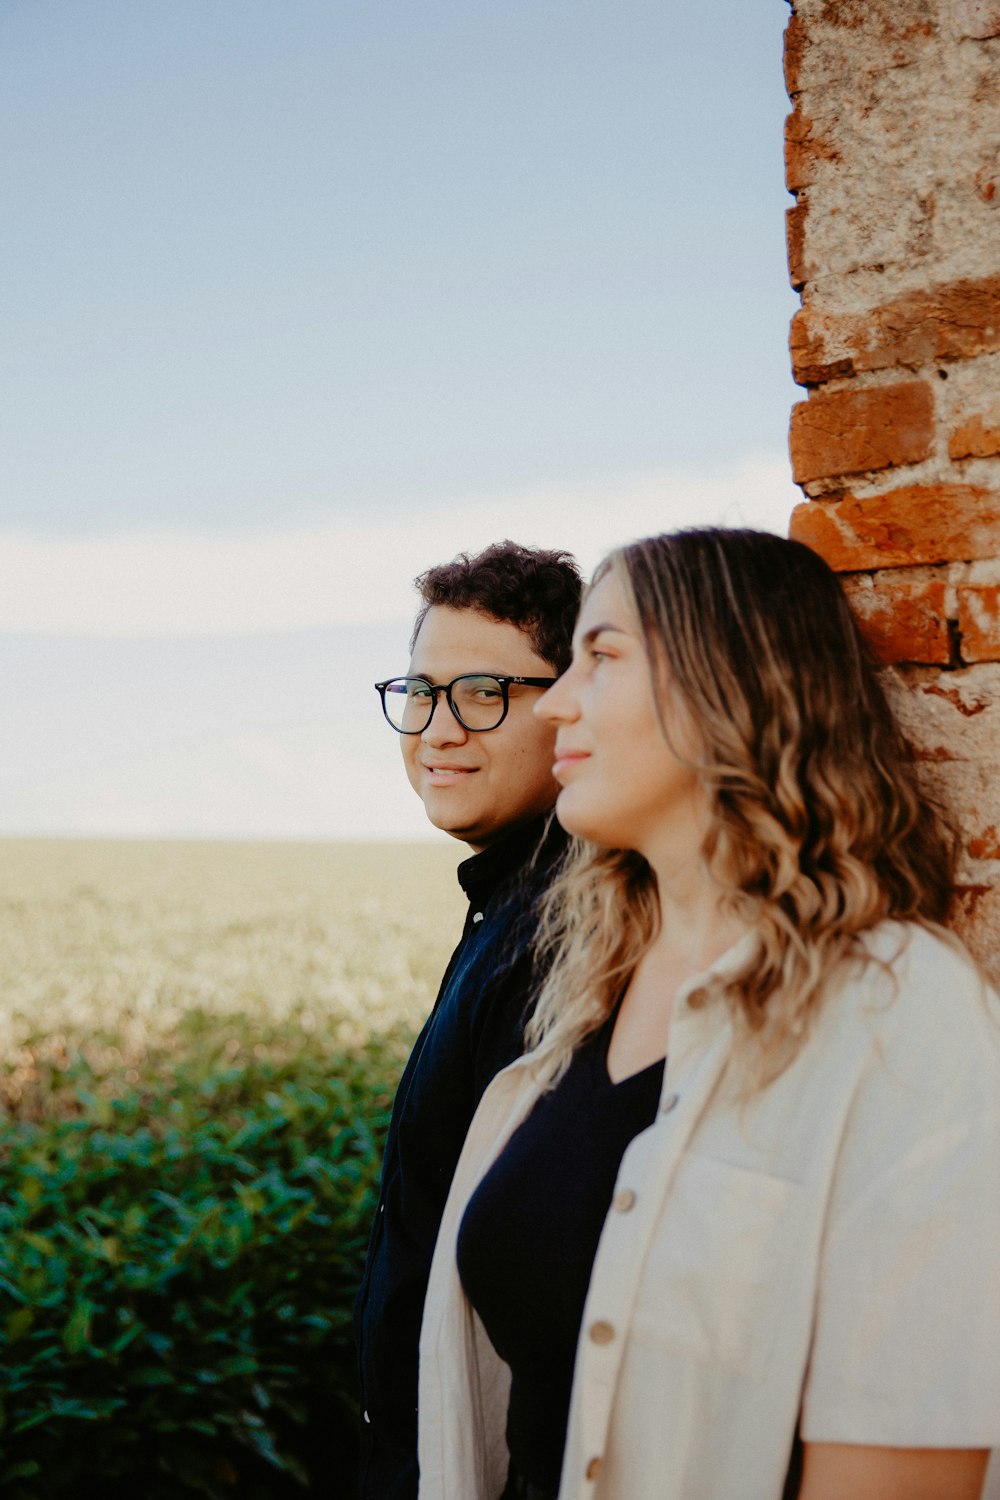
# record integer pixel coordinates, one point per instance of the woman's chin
(579, 823)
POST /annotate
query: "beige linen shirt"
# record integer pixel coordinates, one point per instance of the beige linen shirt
(826, 1255)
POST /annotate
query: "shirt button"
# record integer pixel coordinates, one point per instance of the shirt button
(624, 1200)
(593, 1468)
(478, 917)
(671, 1102)
(601, 1332)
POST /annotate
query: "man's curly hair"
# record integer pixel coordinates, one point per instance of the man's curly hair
(536, 590)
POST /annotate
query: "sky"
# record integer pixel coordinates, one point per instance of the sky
(303, 296)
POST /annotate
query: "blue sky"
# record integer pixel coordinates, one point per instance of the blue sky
(300, 298)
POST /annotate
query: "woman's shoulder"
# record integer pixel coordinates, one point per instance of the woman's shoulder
(920, 993)
(925, 958)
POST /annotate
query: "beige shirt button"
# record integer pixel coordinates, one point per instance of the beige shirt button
(601, 1332)
(593, 1468)
(623, 1200)
(671, 1102)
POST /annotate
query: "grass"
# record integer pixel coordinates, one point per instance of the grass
(199, 1044)
(119, 958)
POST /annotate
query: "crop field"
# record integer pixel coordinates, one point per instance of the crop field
(119, 958)
(199, 1045)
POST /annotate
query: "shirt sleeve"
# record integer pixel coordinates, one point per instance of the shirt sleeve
(907, 1325)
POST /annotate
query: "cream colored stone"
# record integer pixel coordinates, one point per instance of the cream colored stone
(906, 117)
(949, 716)
(976, 18)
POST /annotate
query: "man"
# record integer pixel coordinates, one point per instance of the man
(492, 632)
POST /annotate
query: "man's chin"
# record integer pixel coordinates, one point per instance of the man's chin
(451, 821)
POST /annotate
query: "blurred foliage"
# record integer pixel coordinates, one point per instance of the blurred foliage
(188, 1172)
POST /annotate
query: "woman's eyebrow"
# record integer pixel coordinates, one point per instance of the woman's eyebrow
(596, 630)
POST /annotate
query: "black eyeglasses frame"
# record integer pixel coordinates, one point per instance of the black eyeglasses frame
(506, 680)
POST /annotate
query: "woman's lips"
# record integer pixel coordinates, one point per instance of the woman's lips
(565, 761)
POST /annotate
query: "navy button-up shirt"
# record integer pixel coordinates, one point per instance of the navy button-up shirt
(475, 1028)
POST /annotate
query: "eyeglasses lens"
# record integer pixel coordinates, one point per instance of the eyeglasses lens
(478, 702)
(409, 703)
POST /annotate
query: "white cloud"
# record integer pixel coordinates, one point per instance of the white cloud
(171, 583)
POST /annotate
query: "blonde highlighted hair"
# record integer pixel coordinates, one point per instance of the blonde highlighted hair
(818, 829)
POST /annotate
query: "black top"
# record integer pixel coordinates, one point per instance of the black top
(475, 1029)
(527, 1242)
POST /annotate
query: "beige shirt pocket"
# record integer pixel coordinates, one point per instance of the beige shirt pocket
(716, 1278)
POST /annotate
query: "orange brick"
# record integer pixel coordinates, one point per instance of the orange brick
(918, 523)
(903, 619)
(979, 621)
(795, 41)
(985, 844)
(850, 432)
(955, 320)
(977, 437)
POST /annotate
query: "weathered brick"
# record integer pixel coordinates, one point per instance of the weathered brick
(810, 339)
(795, 235)
(977, 437)
(971, 790)
(949, 715)
(917, 523)
(976, 18)
(977, 922)
(805, 146)
(851, 432)
(979, 621)
(955, 320)
(985, 844)
(902, 618)
(886, 21)
(795, 41)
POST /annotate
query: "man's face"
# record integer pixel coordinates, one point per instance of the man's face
(477, 786)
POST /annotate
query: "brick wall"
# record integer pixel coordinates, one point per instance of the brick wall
(893, 155)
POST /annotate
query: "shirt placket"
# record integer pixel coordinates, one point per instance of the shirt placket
(644, 1178)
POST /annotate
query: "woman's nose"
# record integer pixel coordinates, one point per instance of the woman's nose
(556, 705)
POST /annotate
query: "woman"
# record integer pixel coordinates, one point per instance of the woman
(766, 1266)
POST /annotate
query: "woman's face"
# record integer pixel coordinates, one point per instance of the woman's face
(623, 785)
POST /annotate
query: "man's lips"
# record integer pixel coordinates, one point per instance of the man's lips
(443, 773)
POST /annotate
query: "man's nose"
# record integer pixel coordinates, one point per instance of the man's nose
(444, 728)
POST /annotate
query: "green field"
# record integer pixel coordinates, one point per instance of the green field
(199, 1044)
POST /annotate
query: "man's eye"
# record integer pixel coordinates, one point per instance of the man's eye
(420, 693)
(487, 694)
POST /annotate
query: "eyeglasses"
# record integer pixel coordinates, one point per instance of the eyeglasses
(479, 701)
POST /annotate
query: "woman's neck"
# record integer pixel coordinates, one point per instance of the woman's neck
(695, 926)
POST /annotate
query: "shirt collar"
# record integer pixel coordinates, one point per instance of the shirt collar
(723, 967)
(485, 872)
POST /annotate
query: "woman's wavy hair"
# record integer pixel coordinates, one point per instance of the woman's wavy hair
(817, 829)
